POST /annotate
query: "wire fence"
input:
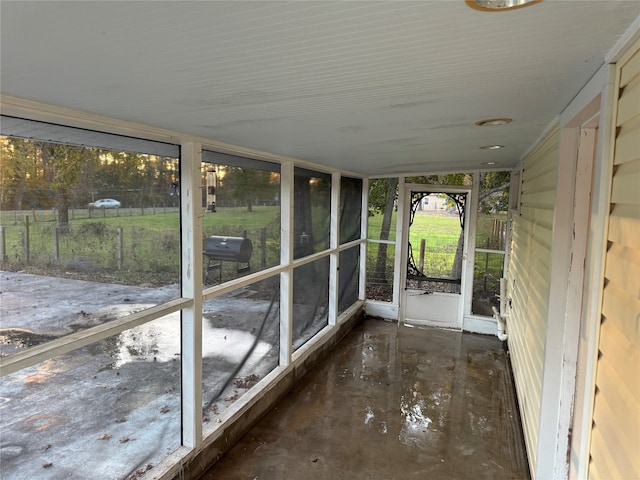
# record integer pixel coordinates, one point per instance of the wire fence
(130, 254)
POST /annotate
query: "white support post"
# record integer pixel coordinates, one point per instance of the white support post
(561, 343)
(596, 250)
(334, 257)
(471, 216)
(399, 270)
(191, 273)
(364, 226)
(286, 258)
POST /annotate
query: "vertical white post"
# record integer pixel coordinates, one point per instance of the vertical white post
(468, 262)
(286, 258)
(597, 246)
(334, 240)
(191, 273)
(561, 344)
(399, 270)
(364, 226)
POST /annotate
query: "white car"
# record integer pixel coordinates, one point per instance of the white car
(105, 203)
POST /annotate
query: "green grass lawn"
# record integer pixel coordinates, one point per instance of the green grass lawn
(259, 217)
(439, 229)
(126, 246)
(150, 242)
(375, 225)
(440, 232)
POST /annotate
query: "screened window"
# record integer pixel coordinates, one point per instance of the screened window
(241, 221)
(350, 209)
(90, 227)
(382, 210)
(240, 343)
(348, 278)
(380, 271)
(73, 414)
(312, 208)
(94, 231)
(491, 241)
(310, 300)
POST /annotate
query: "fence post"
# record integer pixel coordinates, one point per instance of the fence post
(3, 245)
(120, 248)
(56, 244)
(486, 269)
(263, 247)
(25, 240)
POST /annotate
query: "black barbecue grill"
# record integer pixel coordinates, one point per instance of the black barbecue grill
(227, 249)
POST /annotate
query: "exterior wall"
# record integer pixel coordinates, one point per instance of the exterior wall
(615, 436)
(528, 281)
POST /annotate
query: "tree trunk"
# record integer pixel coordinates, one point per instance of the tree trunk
(456, 268)
(63, 213)
(380, 271)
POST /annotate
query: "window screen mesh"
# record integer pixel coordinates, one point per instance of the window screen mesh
(348, 278)
(350, 209)
(312, 212)
(310, 300)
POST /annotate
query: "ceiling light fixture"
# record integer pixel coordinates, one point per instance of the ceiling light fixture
(494, 122)
(499, 5)
(488, 163)
(492, 147)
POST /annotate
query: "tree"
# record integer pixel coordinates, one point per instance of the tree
(494, 191)
(383, 193)
(247, 185)
(16, 161)
(62, 169)
(42, 175)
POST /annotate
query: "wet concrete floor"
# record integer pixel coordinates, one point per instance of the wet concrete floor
(393, 402)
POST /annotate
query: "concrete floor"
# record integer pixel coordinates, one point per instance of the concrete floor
(392, 403)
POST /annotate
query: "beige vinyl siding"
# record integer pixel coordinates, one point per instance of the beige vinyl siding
(528, 281)
(615, 437)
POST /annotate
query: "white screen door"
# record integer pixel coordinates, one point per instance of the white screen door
(434, 255)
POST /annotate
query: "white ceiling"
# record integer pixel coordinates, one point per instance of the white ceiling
(376, 88)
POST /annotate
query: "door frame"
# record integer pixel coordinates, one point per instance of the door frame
(465, 284)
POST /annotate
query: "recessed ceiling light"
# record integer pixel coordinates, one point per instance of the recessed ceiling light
(492, 147)
(488, 163)
(494, 122)
(499, 5)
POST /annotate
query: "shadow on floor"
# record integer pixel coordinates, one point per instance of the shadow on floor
(393, 402)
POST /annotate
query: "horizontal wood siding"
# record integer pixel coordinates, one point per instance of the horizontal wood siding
(615, 436)
(528, 282)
